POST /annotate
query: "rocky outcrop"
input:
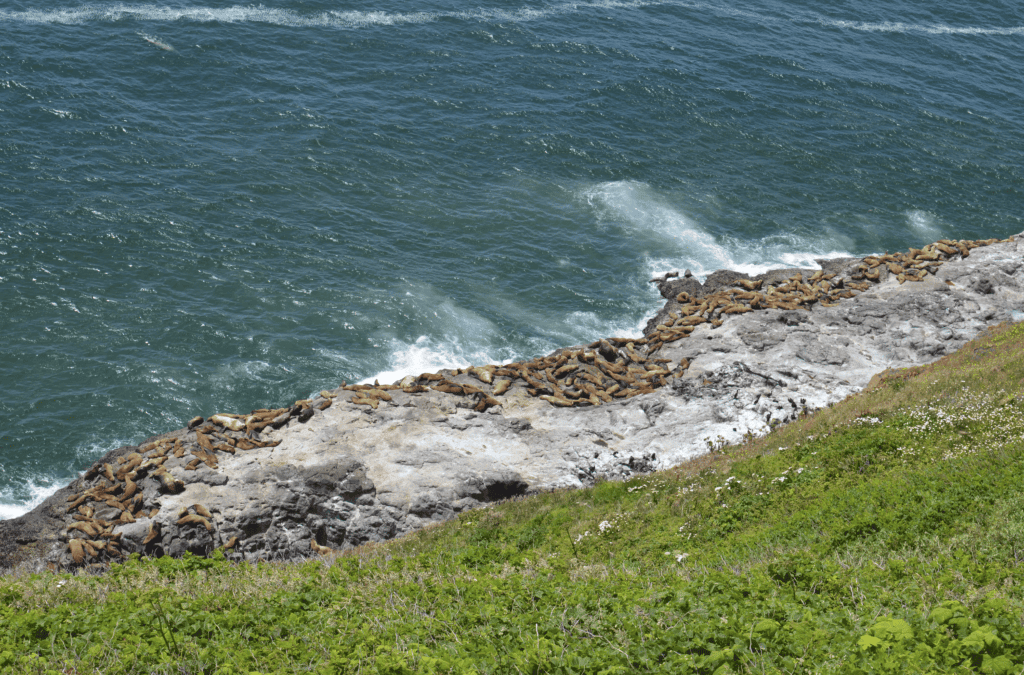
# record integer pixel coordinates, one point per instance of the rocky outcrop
(722, 359)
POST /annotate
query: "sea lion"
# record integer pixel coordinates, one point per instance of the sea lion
(566, 368)
(152, 534)
(228, 421)
(485, 401)
(169, 483)
(318, 549)
(86, 527)
(360, 400)
(448, 387)
(77, 551)
(89, 549)
(204, 441)
(484, 374)
(559, 401)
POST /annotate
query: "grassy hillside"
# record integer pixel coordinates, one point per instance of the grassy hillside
(885, 534)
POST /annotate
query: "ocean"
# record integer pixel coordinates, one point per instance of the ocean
(211, 207)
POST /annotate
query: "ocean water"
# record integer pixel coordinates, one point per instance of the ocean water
(207, 206)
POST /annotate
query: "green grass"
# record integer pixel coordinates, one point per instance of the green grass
(884, 534)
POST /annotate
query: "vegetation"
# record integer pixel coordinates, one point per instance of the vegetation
(884, 534)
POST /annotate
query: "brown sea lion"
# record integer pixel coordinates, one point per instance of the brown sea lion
(318, 549)
(152, 534)
(169, 483)
(77, 551)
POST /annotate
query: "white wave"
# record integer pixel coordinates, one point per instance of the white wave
(37, 494)
(453, 337)
(291, 18)
(671, 240)
(426, 355)
(925, 224)
(929, 29)
(636, 207)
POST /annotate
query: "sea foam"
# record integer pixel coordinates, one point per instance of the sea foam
(38, 492)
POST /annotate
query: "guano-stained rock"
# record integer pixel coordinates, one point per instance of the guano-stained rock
(365, 463)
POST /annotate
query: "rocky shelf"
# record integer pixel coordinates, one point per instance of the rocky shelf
(733, 356)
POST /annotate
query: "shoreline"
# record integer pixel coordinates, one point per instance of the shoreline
(366, 463)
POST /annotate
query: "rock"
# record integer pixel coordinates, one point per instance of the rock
(348, 474)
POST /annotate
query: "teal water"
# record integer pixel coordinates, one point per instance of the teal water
(218, 207)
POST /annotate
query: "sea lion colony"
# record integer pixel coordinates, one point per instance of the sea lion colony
(113, 494)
